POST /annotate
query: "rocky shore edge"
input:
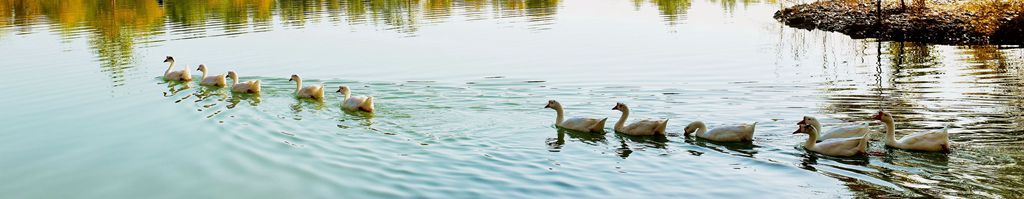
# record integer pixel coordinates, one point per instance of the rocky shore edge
(1003, 24)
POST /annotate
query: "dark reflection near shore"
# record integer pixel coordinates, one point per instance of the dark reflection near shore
(916, 86)
(977, 90)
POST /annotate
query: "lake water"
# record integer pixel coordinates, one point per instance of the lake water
(460, 86)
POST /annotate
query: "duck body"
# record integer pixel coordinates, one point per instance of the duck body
(252, 86)
(851, 131)
(839, 147)
(176, 75)
(644, 127)
(355, 103)
(933, 141)
(315, 92)
(216, 80)
(838, 132)
(730, 133)
(582, 124)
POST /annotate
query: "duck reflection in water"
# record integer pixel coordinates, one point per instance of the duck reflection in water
(236, 98)
(745, 149)
(364, 118)
(302, 103)
(641, 143)
(555, 144)
(206, 92)
(810, 159)
(174, 87)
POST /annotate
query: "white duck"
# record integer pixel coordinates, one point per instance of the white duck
(833, 147)
(642, 127)
(353, 103)
(216, 80)
(922, 141)
(315, 92)
(252, 86)
(179, 75)
(732, 133)
(838, 132)
(593, 125)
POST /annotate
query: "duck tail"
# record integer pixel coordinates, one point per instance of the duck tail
(599, 126)
(662, 126)
(256, 86)
(185, 75)
(753, 127)
(863, 144)
(945, 133)
(367, 104)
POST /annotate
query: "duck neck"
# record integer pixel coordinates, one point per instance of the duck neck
(347, 94)
(622, 120)
(890, 133)
(234, 80)
(298, 85)
(204, 73)
(169, 67)
(812, 139)
(559, 115)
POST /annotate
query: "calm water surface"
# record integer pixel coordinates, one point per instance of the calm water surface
(460, 85)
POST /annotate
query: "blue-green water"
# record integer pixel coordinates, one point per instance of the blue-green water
(460, 87)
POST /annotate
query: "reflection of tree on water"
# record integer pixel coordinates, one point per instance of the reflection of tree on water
(673, 11)
(115, 28)
(729, 6)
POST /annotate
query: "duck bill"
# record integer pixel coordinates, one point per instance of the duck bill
(878, 116)
(547, 106)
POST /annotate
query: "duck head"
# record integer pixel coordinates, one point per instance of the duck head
(883, 116)
(552, 104)
(620, 106)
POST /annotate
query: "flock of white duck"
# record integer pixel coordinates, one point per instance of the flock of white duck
(838, 141)
(314, 92)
